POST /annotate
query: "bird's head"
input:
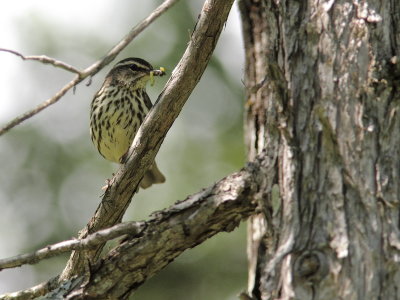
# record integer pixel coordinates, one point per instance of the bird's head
(133, 72)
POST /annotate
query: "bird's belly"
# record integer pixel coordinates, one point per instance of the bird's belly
(117, 139)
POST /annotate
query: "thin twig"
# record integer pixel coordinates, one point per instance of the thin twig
(94, 68)
(102, 236)
(46, 60)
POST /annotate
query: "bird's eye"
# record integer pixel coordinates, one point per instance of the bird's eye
(134, 67)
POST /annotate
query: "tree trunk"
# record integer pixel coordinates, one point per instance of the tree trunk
(323, 104)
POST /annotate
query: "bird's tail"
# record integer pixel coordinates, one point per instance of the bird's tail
(152, 176)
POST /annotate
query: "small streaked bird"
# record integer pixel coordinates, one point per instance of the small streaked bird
(118, 109)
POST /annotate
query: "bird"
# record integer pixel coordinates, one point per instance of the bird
(118, 109)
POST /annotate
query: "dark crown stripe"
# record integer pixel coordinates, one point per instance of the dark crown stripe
(134, 60)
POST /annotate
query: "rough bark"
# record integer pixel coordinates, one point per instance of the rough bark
(322, 92)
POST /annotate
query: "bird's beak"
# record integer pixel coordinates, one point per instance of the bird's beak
(158, 72)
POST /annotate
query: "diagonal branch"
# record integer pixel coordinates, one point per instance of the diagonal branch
(155, 127)
(99, 237)
(166, 235)
(93, 69)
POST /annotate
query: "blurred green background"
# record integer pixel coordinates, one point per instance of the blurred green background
(51, 174)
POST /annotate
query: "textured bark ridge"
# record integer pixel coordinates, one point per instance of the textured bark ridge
(322, 93)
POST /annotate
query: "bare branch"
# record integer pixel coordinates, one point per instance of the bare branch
(46, 60)
(102, 236)
(168, 233)
(94, 68)
(32, 292)
(155, 127)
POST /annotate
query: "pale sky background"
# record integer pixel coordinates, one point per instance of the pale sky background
(66, 121)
